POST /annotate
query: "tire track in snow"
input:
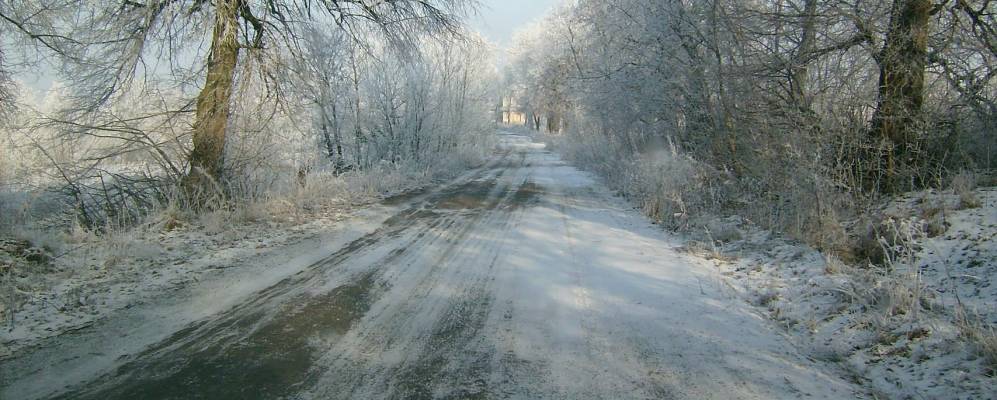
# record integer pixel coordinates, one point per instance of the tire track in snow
(438, 320)
(518, 280)
(266, 346)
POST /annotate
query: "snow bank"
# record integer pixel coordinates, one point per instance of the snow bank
(919, 326)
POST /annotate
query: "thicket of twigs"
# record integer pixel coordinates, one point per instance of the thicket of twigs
(314, 89)
(774, 111)
(800, 116)
(279, 110)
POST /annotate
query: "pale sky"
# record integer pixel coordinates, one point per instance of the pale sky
(497, 20)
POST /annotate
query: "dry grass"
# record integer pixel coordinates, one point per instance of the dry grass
(8, 288)
(981, 334)
(826, 232)
(723, 231)
(902, 286)
(962, 185)
(833, 265)
(51, 241)
(934, 216)
(986, 340)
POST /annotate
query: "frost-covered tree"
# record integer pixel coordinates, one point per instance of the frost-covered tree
(775, 102)
(377, 104)
(322, 76)
(212, 39)
(29, 31)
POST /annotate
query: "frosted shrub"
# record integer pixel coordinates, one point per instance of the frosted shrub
(468, 154)
(963, 185)
(318, 188)
(384, 177)
(667, 185)
(900, 291)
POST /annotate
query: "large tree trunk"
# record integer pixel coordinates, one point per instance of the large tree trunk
(358, 137)
(327, 140)
(213, 103)
(553, 122)
(336, 136)
(698, 109)
(901, 84)
(799, 68)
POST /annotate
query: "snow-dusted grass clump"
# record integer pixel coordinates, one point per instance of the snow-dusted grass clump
(919, 324)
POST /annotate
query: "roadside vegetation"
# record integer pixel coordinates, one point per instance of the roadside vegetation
(835, 159)
(174, 130)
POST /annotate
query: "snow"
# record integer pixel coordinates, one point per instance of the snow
(127, 290)
(525, 278)
(588, 300)
(840, 313)
(522, 279)
(197, 276)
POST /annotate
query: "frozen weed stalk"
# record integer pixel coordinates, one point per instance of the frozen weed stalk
(902, 277)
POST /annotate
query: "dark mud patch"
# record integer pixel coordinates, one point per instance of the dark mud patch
(471, 195)
(247, 357)
(407, 217)
(404, 197)
(477, 194)
(527, 195)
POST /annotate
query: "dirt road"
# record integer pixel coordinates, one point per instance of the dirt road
(523, 279)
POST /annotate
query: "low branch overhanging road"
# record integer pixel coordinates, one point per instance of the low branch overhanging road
(524, 279)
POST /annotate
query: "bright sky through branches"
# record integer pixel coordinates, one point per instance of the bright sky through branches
(498, 20)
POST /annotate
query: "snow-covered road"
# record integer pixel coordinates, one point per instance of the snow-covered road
(524, 279)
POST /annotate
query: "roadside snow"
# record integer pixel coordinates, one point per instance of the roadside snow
(80, 278)
(898, 330)
(102, 275)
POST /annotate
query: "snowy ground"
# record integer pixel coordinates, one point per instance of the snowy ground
(63, 282)
(100, 276)
(897, 330)
(522, 279)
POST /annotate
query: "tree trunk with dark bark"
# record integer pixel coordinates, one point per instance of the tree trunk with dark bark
(799, 70)
(213, 104)
(553, 122)
(901, 86)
